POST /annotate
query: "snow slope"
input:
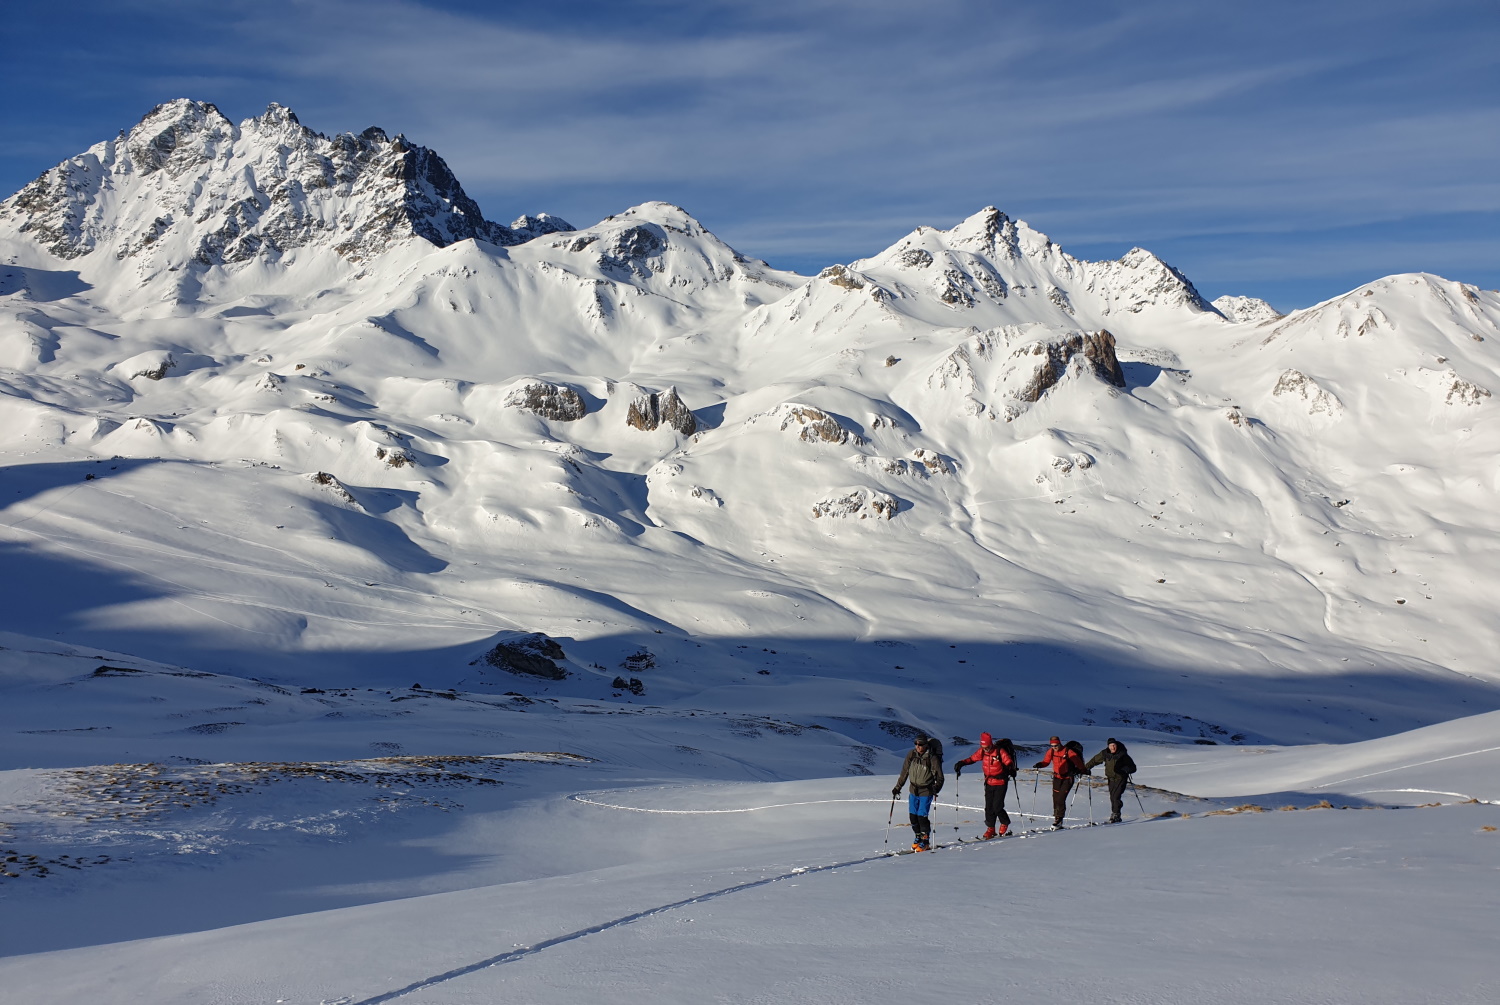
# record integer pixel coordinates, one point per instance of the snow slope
(548, 888)
(327, 504)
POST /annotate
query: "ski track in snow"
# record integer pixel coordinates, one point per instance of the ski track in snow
(520, 954)
(1073, 499)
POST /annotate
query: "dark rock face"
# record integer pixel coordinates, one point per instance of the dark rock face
(551, 401)
(661, 408)
(1096, 349)
(630, 250)
(530, 655)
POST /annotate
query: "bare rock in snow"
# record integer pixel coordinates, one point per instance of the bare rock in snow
(653, 409)
(1318, 399)
(186, 185)
(1454, 389)
(557, 402)
(857, 503)
(840, 276)
(530, 227)
(325, 480)
(1250, 310)
(152, 365)
(1054, 356)
(814, 425)
(395, 458)
(528, 654)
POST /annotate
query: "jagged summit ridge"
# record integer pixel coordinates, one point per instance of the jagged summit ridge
(186, 185)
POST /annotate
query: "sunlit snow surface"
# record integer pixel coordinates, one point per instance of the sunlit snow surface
(265, 507)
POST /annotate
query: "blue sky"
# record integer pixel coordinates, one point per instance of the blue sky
(1289, 150)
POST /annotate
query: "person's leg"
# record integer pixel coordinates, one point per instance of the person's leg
(1004, 817)
(924, 820)
(1117, 797)
(1060, 789)
(991, 805)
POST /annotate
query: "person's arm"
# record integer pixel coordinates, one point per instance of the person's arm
(1095, 761)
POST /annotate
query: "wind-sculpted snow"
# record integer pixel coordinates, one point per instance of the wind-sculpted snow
(303, 399)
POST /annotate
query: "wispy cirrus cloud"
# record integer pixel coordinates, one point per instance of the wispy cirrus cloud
(818, 131)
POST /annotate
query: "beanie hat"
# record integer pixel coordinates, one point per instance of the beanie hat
(986, 739)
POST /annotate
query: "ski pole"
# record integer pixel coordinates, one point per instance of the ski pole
(955, 803)
(891, 816)
(1035, 781)
(1138, 797)
(1090, 783)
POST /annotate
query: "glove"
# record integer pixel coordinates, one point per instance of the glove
(896, 791)
(1039, 765)
(958, 769)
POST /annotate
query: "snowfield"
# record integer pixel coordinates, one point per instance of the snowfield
(406, 607)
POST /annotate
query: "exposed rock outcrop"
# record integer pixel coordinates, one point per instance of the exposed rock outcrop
(1318, 399)
(1053, 357)
(1246, 309)
(814, 425)
(653, 409)
(557, 402)
(186, 185)
(530, 655)
(857, 503)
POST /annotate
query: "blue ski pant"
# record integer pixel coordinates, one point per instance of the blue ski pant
(918, 809)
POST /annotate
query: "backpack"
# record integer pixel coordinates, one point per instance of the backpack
(1074, 746)
(1010, 748)
(935, 747)
(1124, 765)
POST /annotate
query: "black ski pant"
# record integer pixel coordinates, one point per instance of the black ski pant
(921, 827)
(994, 805)
(1117, 796)
(1060, 789)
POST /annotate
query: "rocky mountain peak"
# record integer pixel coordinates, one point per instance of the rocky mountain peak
(186, 186)
(1251, 309)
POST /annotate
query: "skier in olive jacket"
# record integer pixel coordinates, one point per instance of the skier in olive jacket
(1066, 764)
(924, 767)
(998, 762)
(1118, 767)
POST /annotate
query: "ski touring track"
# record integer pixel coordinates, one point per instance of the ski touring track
(514, 955)
(523, 952)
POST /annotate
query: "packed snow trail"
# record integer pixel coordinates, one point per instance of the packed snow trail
(519, 954)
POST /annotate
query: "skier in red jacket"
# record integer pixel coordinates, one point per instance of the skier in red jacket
(1066, 764)
(998, 761)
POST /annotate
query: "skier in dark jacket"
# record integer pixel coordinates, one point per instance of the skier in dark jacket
(924, 767)
(998, 762)
(1118, 767)
(1066, 764)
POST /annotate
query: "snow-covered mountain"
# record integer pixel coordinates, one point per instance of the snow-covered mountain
(492, 599)
(300, 405)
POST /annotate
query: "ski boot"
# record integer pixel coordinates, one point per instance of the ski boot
(917, 845)
(1114, 820)
(988, 834)
(1004, 830)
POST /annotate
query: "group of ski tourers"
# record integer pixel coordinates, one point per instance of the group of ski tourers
(923, 768)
